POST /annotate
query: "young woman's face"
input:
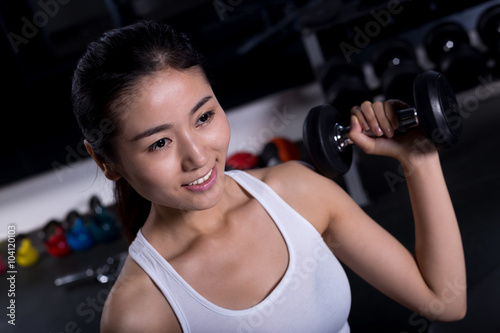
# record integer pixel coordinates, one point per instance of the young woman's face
(174, 142)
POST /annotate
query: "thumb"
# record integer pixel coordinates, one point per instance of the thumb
(357, 136)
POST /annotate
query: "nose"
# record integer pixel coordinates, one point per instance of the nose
(193, 152)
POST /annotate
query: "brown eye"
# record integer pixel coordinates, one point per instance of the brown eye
(205, 118)
(162, 143)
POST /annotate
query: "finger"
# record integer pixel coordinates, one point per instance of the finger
(383, 120)
(390, 112)
(356, 111)
(369, 112)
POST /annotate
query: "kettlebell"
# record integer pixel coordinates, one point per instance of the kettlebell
(52, 235)
(26, 254)
(103, 225)
(78, 234)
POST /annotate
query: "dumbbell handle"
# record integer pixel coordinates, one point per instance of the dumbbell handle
(408, 118)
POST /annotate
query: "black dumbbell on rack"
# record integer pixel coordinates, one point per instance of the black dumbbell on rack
(436, 112)
(448, 46)
(343, 83)
(395, 63)
(488, 29)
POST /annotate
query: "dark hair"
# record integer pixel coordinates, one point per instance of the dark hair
(105, 75)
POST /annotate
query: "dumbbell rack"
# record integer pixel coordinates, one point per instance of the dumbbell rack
(401, 28)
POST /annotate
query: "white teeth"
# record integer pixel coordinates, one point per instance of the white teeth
(201, 180)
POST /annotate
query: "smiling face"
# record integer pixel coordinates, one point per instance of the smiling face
(173, 144)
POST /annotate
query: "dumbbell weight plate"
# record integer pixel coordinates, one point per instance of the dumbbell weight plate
(488, 28)
(437, 108)
(318, 136)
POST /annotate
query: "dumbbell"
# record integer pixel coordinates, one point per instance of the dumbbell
(448, 46)
(395, 63)
(436, 112)
(343, 83)
(488, 28)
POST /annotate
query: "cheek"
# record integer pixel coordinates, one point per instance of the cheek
(148, 174)
(223, 134)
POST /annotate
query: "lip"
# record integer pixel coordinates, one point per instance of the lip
(206, 185)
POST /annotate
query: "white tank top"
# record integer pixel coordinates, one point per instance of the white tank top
(312, 297)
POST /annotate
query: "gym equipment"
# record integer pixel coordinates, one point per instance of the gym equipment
(279, 150)
(105, 273)
(343, 83)
(26, 254)
(103, 226)
(242, 161)
(437, 113)
(448, 46)
(54, 239)
(3, 266)
(395, 63)
(78, 234)
(488, 28)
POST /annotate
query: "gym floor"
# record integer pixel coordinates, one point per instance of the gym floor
(472, 173)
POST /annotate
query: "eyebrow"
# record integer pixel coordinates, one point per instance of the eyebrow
(164, 127)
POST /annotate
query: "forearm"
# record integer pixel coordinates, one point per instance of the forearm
(438, 244)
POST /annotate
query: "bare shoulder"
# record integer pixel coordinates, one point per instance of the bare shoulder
(312, 195)
(135, 304)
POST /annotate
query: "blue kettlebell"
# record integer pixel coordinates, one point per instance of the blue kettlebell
(103, 224)
(78, 235)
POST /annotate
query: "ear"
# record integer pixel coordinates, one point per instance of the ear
(107, 169)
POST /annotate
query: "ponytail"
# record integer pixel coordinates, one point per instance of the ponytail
(131, 208)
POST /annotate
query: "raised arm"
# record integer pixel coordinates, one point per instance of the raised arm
(432, 282)
(438, 246)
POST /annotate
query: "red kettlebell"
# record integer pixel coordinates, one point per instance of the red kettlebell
(54, 239)
(242, 161)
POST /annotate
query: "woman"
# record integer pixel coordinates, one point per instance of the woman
(242, 251)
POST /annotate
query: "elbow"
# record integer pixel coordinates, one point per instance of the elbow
(449, 312)
(455, 315)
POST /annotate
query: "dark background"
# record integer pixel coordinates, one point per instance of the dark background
(254, 48)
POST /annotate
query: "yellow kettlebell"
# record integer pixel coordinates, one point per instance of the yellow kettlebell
(26, 254)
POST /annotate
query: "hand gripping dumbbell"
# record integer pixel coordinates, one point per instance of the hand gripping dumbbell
(436, 112)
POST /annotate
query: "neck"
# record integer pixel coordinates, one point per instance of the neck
(185, 224)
